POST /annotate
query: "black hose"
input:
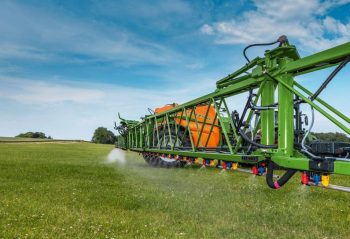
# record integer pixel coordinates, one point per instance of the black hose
(282, 39)
(329, 78)
(282, 180)
(263, 146)
(246, 107)
(239, 122)
(257, 44)
(150, 111)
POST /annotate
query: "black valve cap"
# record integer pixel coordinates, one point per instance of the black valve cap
(282, 39)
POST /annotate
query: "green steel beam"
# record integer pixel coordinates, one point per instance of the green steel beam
(224, 130)
(222, 83)
(319, 109)
(212, 126)
(207, 155)
(325, 104)
(231, 90)
(327, 57)
(230, 119)
(203, 126)
(267, 116)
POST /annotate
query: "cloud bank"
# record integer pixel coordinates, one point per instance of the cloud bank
(304, 21)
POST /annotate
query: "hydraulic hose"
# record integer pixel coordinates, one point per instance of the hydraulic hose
(282, 39)
(239, 122)
(263, 146)
(282, 180)
(329, 78)
(257, 44)
(305, 150)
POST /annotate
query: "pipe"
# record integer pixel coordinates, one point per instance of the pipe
(263, 146)
(304, 148)
(242, 170)
(332, 186)
(329, 78)
(282, 40)
(258, 44)
(247, 106)
(265, 107)
(281, 181)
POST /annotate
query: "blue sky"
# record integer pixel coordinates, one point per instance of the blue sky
(67, 67)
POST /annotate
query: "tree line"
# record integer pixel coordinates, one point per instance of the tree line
(34, 135)
(330, 136)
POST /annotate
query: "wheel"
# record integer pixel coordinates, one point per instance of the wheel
(151, 159)
(165, 142)
(147, 157)
(154, 161)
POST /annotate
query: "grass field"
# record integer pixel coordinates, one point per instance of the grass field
(71, 191)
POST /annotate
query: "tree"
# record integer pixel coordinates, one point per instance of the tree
(35, 135)
(103, 136)
(338, 137)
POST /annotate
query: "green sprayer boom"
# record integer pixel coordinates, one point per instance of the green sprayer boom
(268, 134)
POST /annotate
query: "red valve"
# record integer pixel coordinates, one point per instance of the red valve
(304, 178)
(255, 170)
(224, 165)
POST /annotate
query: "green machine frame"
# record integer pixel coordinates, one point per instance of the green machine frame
(277, 96)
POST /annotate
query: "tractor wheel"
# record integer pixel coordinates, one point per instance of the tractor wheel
(165, 142)
(154, 161)
(147, 157)
(151, 159)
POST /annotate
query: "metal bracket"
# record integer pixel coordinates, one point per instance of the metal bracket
(322, 165)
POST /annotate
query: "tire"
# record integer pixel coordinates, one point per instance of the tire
(164, 143)
(154, 161)
(147, 157)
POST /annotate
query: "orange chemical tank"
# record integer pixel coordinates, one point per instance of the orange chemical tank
(165, 108)
(195, 128)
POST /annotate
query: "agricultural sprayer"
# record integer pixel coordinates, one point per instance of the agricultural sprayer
(270, 133)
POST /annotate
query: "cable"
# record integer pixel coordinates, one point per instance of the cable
(150, 111)
(239, 123)
(304, 149)
(257, 44)
(247, 105)
(282, 180)
(263, 146)
(282, 39)
(329, 78)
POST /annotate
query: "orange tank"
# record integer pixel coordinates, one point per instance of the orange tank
(195, 128)
(165, 108)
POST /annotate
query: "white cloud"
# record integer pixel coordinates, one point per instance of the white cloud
(44, 93)
(48, 92)
(41, 34)
(73, 110)
(304, 21)
(207, 29)
(336, 27)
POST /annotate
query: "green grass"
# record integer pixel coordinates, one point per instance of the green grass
(70, 191)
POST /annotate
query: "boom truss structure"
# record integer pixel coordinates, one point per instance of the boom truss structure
(268, 134)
